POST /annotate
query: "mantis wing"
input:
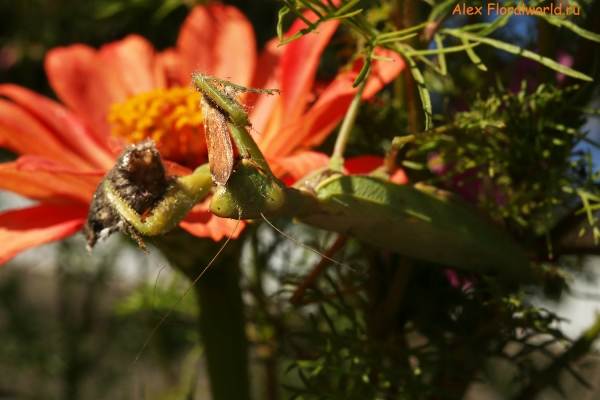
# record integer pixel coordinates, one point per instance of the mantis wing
(421, 223)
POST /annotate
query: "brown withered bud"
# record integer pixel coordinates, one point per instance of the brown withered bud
(139, 177)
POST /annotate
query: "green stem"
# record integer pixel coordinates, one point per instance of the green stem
(337, 158)
(221, 322)
(263, 318)
(221, 326)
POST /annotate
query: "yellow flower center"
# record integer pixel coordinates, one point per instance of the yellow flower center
(171, 117)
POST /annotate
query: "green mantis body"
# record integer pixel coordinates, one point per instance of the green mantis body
(420, 222)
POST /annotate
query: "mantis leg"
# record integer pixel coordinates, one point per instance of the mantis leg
(182, 195)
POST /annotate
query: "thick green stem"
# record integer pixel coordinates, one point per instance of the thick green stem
(221, 326)
(221, 322)
(263, 317)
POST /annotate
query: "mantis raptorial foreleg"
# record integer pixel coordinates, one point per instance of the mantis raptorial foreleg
(183, 194)
(417, 221)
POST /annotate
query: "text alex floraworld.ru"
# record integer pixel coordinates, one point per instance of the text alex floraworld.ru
(497, 9)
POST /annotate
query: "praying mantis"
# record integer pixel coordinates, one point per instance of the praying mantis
(420, 222)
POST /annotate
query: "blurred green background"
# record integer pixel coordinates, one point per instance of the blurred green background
(71, 325)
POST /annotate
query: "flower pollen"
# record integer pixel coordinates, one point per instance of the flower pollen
(170, 117)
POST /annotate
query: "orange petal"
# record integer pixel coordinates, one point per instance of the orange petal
(86, 83)
(299, 165)
(383, 72)
(268, 66)
(31, 163)
(31, 177)
(399, 177)
(299, 65)
(175, 169)
(22, 133)
(133, 60)
(30, 227)
(202, 223)
(314, 126)
(63, 125)
(267, 75)
(218, 40)
(166, 69)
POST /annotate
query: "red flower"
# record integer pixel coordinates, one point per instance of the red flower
(287, 128)
(129, 89)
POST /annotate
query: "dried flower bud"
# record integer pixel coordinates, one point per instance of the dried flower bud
(139, 178)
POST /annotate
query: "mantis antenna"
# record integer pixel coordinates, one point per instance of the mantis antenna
(305, 246)
(182, 296)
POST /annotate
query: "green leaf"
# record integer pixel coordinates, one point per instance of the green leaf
(363, 72)
(513, 49)
(442, 50)
(421, 87)
(474, 57)
(413, 165)
(403, 32)
(348, 15)
(439, 9)
(396, 39)
(558, 21)
(441, 56)
(497, 23)
(167, 7)
(346, 7)
(280, 16)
